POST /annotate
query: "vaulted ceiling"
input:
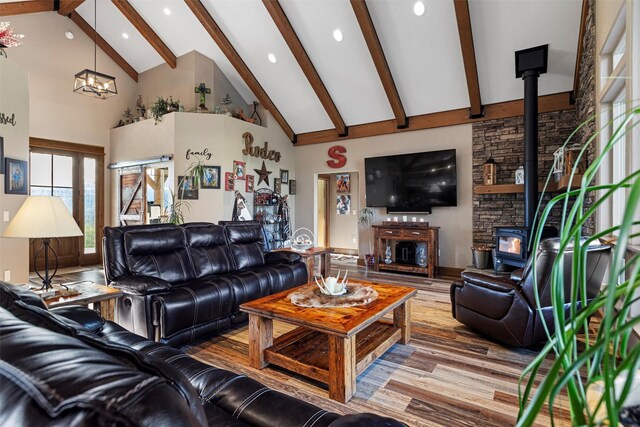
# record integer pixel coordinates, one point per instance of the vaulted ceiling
(390, 64)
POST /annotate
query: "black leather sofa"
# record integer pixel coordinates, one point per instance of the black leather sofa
(70, 367)
(187, 282)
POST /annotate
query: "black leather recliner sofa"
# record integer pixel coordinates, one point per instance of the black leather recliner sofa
(70, 367)
(187, 282)
(505, 309)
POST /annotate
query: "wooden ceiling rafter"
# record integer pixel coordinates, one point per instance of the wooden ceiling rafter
(380, 61)
(25, 7)
(102, 43)
(547, 103)
(297, 49)
(583, 29)
(463, 19)
(209, 24)
(65, 7)
(147, 32)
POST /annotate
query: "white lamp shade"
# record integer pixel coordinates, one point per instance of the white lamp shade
(43, 217)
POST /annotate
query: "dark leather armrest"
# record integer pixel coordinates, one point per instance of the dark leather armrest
(140, 285)
(369, 420)
(287, 257)
(516, 275)
(494, 283)
(89, 319)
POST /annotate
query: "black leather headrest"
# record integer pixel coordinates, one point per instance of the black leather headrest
(245, 233)
(10, 293)
(203, 236)
(150, 242)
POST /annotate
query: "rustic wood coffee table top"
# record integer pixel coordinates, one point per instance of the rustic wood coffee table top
(331, 345)
(344, 321)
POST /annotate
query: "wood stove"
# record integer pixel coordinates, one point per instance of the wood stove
(512, 243)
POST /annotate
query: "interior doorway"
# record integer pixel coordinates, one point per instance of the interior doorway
(73, 172)
(337, 219)
(323, 211)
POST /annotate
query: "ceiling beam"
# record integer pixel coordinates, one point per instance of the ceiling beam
(380, 61)
(106, 47)
(282, 22)
(147, 32)
(468, 56)
(68, 6)
(583, 29)
(501, 110)
(200, 11)
(24, 7)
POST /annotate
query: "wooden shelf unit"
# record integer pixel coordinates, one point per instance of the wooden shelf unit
(519, 188)
(413, 232)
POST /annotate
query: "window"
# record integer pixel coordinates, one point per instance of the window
(52, 175)
(613, 96)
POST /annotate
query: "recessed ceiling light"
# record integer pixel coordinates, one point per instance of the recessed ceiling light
(418, 8)
(272, 58)
(69, 35)
(337, 35)
(167, 11)
(125, 35)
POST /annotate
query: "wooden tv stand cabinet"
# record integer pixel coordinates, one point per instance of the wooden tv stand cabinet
(414, 232)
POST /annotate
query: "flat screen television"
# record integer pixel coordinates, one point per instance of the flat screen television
(413, 182)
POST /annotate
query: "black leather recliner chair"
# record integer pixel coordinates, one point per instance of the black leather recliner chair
(186, 282)
(70, 367)
(505, 309)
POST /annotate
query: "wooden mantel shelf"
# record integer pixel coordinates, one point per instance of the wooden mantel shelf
(519, 188)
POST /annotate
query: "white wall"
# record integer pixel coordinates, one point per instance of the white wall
(455, 222)
(14, 99)
(343, 229)
(51, 61)
(221, 136)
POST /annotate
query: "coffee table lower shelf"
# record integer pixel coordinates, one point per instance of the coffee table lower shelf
(306, 352)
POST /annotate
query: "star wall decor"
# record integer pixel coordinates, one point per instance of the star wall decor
(263, 174)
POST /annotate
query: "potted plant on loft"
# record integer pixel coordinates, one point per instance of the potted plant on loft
(365, 219)
(598, 372)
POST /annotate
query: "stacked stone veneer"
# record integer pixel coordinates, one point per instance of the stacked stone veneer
(503, 139)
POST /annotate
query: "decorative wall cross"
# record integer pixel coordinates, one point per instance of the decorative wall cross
(202, 90)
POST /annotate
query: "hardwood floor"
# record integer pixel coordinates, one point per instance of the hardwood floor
(448, 375)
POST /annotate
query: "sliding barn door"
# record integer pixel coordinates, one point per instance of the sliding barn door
(132, 196)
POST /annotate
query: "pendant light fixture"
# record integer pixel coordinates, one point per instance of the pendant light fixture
(91, 82)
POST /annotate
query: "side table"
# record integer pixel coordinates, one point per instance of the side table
(102, 297)
(309, 256)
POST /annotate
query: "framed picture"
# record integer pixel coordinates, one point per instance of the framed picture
(228, 181)
(187, 189)
(292, 187)
(210, 177)
(343, 183)
(343, 206)
(284, 176)
(239, 169)
(249, 184)
(277, 185)
(16, 176)
(1, 155)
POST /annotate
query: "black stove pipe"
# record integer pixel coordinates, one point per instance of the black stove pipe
(530, 78)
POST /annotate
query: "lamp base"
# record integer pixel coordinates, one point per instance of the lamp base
(46, 280)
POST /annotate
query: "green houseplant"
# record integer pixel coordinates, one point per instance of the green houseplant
(581, 360)
(194, 172)
(365, 219)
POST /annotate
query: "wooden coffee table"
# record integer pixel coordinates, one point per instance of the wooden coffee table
(331, 345)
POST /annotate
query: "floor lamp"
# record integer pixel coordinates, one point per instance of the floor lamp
(43, 218)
